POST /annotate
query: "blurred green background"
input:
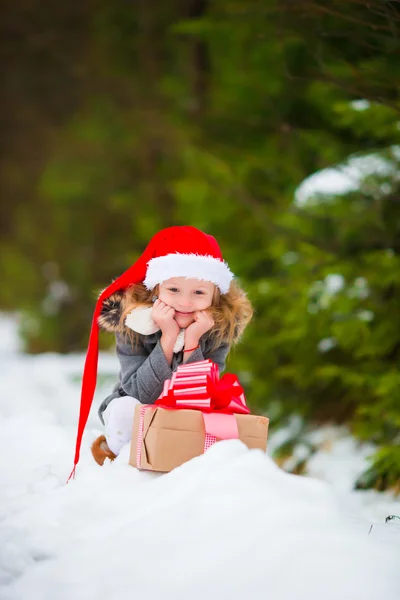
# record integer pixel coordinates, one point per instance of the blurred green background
(120, 118)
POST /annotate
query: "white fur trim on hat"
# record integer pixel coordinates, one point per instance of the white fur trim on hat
(139, 319)
(197, 266)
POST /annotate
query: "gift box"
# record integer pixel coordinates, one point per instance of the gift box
(195, 410)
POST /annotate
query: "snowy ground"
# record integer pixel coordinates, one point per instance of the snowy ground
(229, 524)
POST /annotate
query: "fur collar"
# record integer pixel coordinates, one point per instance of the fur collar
(139, 319)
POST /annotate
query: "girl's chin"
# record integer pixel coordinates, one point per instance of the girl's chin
(184, 322)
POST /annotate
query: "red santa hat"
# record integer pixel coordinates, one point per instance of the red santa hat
(180, 251)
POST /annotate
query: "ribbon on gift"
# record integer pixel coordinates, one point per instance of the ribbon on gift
(197, 386)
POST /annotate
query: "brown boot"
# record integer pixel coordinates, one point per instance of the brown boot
(101, 451)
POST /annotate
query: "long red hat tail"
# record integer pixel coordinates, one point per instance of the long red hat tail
(134, 274)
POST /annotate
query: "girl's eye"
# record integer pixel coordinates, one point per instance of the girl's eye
(173, 289)
(200, 293)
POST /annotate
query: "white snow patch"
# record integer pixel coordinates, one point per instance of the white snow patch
(360, 104)
(349, 177)
(334, 283)
(365, 315)
(10, 344)
(327, 344)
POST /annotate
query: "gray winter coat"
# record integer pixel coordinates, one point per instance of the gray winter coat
(144, 370)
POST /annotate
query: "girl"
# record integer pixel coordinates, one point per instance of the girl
(178, 303)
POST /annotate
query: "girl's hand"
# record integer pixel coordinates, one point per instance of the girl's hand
(203, 322)
(163, 315)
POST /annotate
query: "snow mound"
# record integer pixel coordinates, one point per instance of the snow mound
(228, 524)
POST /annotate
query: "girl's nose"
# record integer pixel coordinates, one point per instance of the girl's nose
(186, 302)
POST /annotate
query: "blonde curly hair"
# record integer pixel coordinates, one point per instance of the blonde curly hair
(231, 312)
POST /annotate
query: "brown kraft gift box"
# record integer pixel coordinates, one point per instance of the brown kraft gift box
(172, 437)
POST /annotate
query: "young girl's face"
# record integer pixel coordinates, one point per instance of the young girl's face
(186, 296)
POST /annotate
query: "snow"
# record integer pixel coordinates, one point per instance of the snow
(326, 181)
(361, 104)
(350, 176)
(228, 524)
(334, 283)
(327, 344)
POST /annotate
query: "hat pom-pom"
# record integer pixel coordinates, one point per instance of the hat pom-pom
(140, 319)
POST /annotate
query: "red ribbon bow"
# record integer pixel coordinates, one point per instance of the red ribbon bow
(198, 386)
